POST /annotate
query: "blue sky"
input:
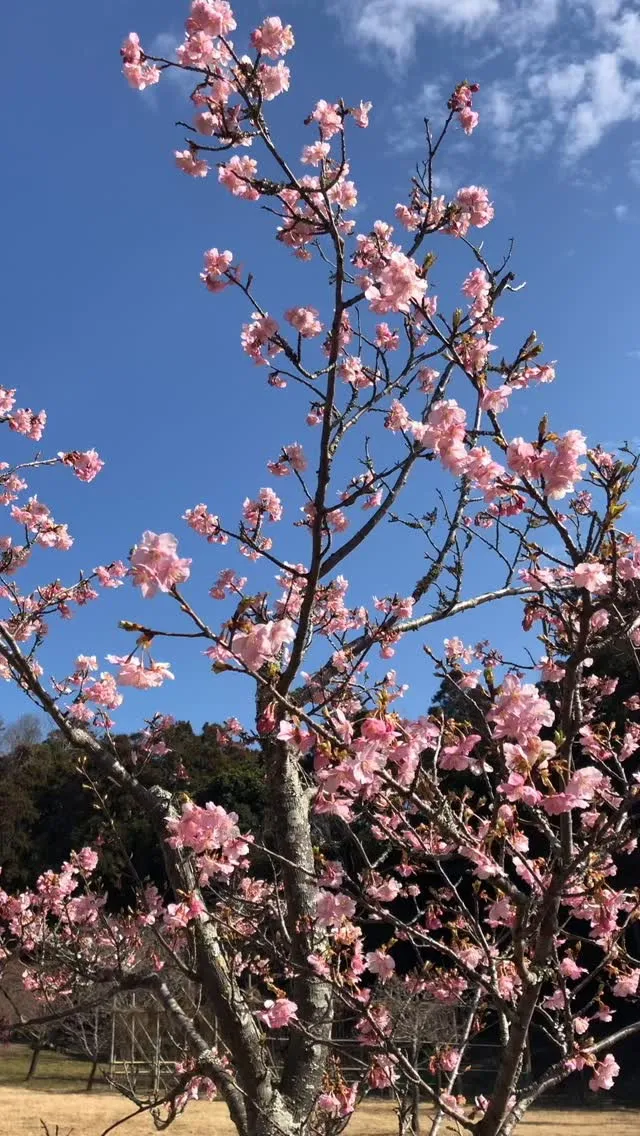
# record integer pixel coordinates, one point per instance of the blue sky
(107, 325)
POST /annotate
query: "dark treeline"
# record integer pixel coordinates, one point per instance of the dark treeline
(48, 805)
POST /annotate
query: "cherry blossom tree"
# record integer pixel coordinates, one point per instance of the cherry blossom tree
(492, 860)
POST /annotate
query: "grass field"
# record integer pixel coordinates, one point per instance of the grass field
(76, 1114)
(54, 1097)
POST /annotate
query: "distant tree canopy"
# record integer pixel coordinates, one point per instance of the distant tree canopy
(48, 806)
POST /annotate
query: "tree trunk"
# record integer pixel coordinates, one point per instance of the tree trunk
(92, 1075)
(35, 1057)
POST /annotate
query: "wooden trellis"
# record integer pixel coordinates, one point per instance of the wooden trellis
(147, 1043)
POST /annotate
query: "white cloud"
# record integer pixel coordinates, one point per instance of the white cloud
(394, 24)
(571, 68)
(611, 97)
(621, 212)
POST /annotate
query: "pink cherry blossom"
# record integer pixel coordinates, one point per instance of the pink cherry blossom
(261, 644)
(278, 1014)
(468, 119)
(237, 175)
(570, 969)
(519, 711)
(274, 80)
(496, 400)
(328, 118)
(28, 423)
(103, 691)
(198, 50)
(626, 985)
(7, 400)
(86, 860)
(141, 75)
(216, 268)
(381, 964)
(316, 153)
(215, 17)
(473, 208)
(258, 338)
(360, 114)
(131, 50)
(86, 465)
(591, 576)
(205, 524)
(187, 161)
(268, 504)
(581, 789)
(386, 339)
(333, 907)
(155, 564)
(305, 321)
(457, 756)
(273, 38)
(113, 575)
(561, 470)
(604, 1074)
(397, 286)
(133, 672)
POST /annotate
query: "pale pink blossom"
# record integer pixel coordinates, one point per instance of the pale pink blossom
(591, 576)
(550, 671)
(473, 208)
(398, 285)
(28, 423)
(570, 969)
(380, 963)
(268, 504)
(215, 17)
(133, 672)
(136, 70)
(305, 321)
(519, 711)
(360, 114)
(496, 400)
(86, 860)
(155, 564)
(238, 174)
(258, 338)
(278, 1014)
(273, 38)
(626, 985)
(398, 417)
(205, 524)
(7, 400)
(259, 645)
(604, 1073)
(131, 50)
(328, 118)
(386, 339)
(295, 455)
(333, 907)
(468, 119)
(580, 790)
(273, 80)
(457, 755)
(187, 161)
(85, 465)
(103, 691)
(561, 470)
(316, 153)
(216, 268)
(198, 50)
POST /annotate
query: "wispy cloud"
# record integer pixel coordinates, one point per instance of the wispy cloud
(621, 212)
(571, 68)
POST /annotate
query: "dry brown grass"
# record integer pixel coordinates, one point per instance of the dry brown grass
(78, 1114)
